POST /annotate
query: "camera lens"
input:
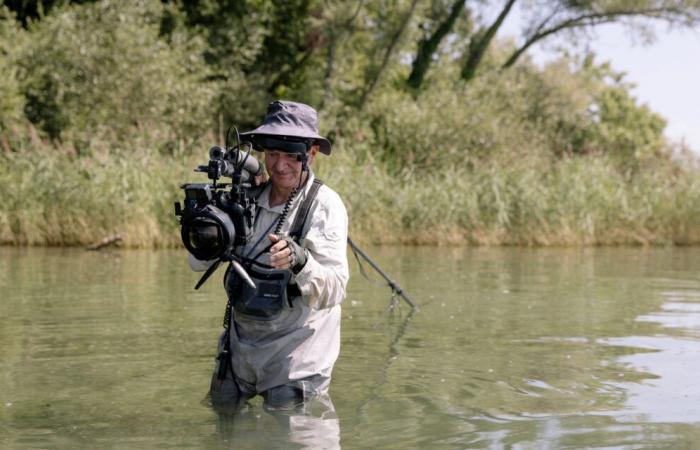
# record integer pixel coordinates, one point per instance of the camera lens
(205, 235)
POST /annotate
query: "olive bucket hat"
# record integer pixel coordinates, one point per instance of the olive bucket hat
(289, 121)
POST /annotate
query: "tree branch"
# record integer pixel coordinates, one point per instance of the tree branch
(592, 19)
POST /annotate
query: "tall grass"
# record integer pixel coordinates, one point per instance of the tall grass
(576, 201)
(51, 196)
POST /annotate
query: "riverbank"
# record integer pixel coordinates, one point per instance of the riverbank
(54, 196)
(94, 144)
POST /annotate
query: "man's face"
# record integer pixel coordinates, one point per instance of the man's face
(284, 169)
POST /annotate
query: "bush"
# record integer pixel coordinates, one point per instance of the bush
(103, 69)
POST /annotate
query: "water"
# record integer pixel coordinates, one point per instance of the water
(512, 348)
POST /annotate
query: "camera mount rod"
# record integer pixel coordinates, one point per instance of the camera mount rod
(395, 288)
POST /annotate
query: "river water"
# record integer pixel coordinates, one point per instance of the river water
(511, 348)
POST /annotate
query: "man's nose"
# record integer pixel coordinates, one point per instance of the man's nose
(274, 163)
(281, 163)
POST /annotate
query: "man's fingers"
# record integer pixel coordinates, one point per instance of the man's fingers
(279, 244)
(281, 256)
(276, 256)
(278, 247)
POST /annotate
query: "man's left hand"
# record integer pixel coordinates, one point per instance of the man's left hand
(259, 180)
(286, 254)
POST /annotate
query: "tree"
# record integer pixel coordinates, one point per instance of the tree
(481, 40)
(340, 18)
(545, 18)
(27, 10)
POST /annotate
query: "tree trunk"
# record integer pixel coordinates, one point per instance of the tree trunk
(334, 35)
(479, 45)
(428, 47)
(372, 83)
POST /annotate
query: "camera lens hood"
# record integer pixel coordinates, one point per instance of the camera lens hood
(207, 232)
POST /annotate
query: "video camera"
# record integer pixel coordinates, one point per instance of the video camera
(219, 216)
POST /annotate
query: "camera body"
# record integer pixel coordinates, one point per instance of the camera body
(217, 217)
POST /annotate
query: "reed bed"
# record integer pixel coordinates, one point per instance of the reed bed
(51, 196)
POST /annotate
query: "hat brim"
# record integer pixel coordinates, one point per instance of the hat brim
(277, 130)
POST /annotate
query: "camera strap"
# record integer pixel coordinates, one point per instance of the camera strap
(298, 226)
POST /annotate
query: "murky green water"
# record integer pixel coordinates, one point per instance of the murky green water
(512, 348)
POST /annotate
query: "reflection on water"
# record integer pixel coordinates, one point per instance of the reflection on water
(315, 425)
(512, 348)
(672, 358)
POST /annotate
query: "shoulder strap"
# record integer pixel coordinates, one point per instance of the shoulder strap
(300, 219)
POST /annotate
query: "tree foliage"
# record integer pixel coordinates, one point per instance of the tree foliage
(544, 19)
(192, 66)
(102, 68)
(12, 103)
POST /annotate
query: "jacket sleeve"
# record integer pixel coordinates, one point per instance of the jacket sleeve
(324, 278)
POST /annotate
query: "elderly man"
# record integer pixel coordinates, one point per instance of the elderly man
(284, 335)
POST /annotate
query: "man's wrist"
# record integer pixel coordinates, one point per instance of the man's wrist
(299, 256)
(300, 262)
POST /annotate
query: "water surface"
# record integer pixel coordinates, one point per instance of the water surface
(511, 348)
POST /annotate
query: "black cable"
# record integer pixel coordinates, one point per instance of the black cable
(227, 133)
(241, 164)
(288, 205)
(285, 210)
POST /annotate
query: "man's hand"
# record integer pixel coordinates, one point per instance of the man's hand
(287, 254)
(258, 180)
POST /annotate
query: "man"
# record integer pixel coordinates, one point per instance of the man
(284, 335)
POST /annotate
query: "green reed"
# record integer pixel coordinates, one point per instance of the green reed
(52, 196)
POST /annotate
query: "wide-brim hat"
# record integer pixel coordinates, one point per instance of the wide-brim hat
(290, 119)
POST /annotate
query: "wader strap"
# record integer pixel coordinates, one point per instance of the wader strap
(293, 291)
(298, 226)
(303, 213)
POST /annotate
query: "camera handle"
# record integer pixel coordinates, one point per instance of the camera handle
(208, 273)
(240, 270)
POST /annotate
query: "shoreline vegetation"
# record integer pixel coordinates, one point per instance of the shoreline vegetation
(109, 106)
(56, 198)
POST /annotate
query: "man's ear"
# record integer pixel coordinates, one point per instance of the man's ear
(313, 151)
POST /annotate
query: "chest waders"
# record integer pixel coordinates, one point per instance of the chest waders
(272, 290)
